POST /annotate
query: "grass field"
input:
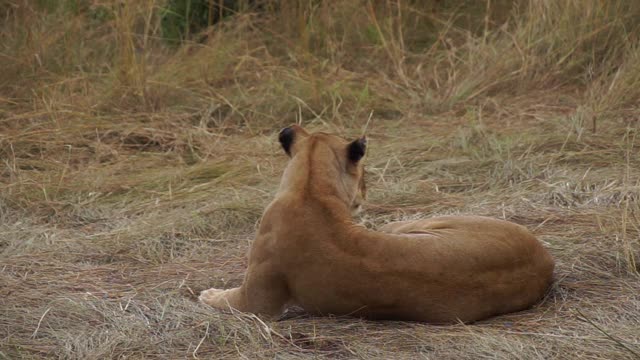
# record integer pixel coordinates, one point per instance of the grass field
(134, 171)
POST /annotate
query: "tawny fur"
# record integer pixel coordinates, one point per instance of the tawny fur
(309, 252)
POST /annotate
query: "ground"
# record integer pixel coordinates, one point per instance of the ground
(124, 194)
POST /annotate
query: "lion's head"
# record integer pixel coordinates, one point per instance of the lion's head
(324, 165)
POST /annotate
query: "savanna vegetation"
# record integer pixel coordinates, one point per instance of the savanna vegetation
(138, 148)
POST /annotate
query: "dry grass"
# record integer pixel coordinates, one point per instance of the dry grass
(133, 174)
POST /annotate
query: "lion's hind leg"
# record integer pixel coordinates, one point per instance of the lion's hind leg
(394, 227)
(406, 227)
(413, 227)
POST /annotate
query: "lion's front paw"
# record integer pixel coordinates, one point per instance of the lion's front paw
(211, 297)
(222, 299)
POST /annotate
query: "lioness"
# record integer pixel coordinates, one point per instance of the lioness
(309, 252)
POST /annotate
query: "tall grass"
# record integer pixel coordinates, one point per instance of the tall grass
(431, 54)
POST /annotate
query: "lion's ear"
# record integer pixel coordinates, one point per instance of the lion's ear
(286, 137)
(357, 149)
